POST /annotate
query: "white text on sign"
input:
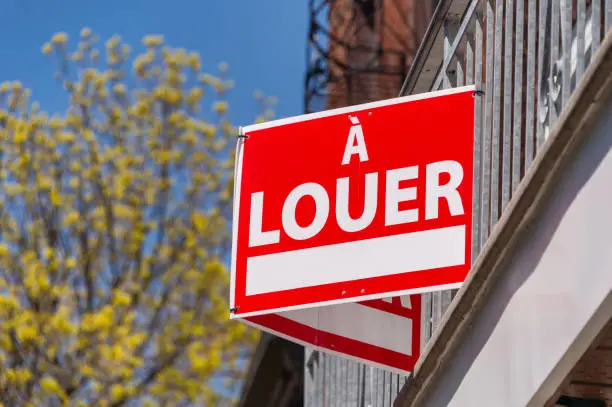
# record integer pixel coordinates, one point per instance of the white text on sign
(394, 195)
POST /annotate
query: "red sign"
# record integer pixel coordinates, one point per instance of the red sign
(385, 333)
(353, 204)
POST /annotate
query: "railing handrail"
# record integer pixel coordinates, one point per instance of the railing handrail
(423, 69)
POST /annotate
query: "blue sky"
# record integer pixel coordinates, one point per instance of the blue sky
(262, 40)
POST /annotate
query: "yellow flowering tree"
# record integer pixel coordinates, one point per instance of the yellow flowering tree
(114, 234)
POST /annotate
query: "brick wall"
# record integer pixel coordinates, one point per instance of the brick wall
(592, 375)
(379, 47)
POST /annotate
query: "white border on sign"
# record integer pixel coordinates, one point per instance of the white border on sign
(236, 198)
(328, 351)
(296, 119)
(356, 108)
(360, 298)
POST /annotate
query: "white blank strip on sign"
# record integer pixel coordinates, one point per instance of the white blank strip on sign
(444, 247)
(358, 322)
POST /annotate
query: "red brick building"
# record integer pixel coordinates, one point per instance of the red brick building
(361, 50)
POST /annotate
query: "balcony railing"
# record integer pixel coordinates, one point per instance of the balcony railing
(525, 58)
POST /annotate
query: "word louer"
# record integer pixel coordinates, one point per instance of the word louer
(394, 195)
